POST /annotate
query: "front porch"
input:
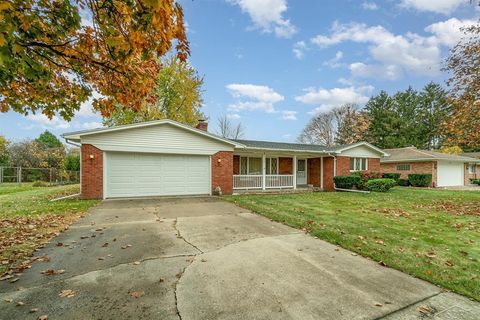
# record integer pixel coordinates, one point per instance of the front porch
(269, 172)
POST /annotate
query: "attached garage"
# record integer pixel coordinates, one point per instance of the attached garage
(157, 158)
(450, 174)
(131, 174)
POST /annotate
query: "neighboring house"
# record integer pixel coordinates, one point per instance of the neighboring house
(446, 169)
(165, 157)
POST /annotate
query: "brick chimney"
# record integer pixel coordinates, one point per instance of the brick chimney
(202, 125)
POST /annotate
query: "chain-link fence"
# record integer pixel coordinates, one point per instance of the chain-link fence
(51, 176)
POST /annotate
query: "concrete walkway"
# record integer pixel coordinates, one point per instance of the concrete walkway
(202, 258)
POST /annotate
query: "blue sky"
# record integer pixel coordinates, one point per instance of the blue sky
(271, 64)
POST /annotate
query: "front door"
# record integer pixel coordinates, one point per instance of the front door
(301, 171)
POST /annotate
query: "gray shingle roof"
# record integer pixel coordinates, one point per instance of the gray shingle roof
(258, 144)
(412, 153)
(472, 154)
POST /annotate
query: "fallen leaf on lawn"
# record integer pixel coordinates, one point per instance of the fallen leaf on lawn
(136, 263)
(449, 263)
(33, 310)
(378, 241)
(137, 294)
(431, 254)
(382, 263)
(67, 293)
(464, 253)
(20, 303)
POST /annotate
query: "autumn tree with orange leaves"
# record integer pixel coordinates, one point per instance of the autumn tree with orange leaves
(463, 128)
(55, 53)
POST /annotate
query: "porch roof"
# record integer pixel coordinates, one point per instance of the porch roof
(301, 147)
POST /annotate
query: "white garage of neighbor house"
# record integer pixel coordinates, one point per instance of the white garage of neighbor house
(165, 158)
(447, 170)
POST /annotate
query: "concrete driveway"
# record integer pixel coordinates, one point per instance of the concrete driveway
(202, 258)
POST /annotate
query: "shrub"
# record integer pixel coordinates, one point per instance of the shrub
(420, 179)
(380, 185)
(346, 182)
(403, 182)
(39, 183)
(394, 176)
(475, 181)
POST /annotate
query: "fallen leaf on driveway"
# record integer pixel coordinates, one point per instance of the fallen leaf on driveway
(426, 310)
(33, 310)
(105, 245)
(137, 294)
(378, 305)
(162, 279)
(354, 254)
(67, 293)
(44, 317)
(20, 303)
(136, 263)
(8, 300)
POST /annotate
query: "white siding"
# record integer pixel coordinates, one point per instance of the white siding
(360, 151)
(162, 138)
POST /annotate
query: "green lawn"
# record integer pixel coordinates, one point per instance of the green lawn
(28, 219)
(431, 234)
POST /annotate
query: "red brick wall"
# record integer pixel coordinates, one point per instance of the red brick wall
(313, 170)
(469, 176)
(428, 167)
(222, 172)
(343, 166)
(328, 174)
(285, 166)
(374, 165)
(92, 172)
(236, 164)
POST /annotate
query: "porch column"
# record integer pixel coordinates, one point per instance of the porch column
(294, 172)
(264, 169)
(321, 173)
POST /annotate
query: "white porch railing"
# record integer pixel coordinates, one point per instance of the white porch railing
(255, 181)
(279, 181)
(245, 181)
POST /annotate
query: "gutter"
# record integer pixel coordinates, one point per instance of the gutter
(72, 143)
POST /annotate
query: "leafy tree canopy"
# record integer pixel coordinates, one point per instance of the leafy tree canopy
(48, 140)
(177, 96)
(51, 60)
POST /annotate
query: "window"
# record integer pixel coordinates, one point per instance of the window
(271, 165)
(253, 165)
(403, 167)
(358, 164)
(472, 168)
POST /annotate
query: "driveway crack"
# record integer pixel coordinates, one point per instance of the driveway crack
(179, 235)
(179, 276)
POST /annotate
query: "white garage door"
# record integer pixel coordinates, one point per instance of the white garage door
(450, 174)
(145, 174)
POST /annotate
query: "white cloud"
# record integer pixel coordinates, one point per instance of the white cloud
(257, 97)
(260, 93)
(449, 32)
(369, 5)
(267, 15)
(91, 125)
(437, 6)
(44, 122)
(233, 116)
(289, 115)
(396, 54)
(299, 49)
(335, 61)
(362, 70)
(327, 99)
